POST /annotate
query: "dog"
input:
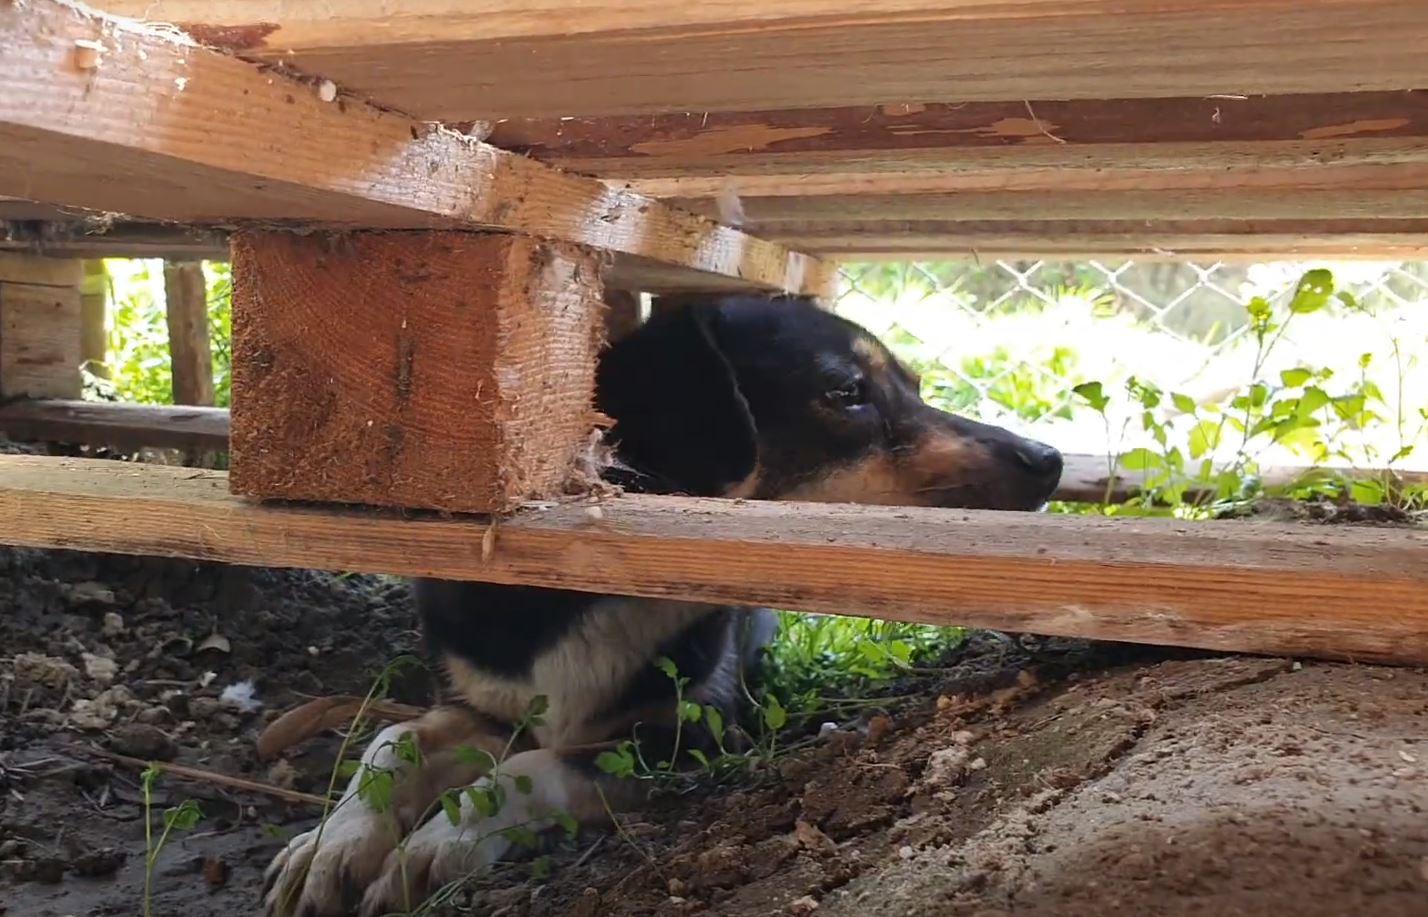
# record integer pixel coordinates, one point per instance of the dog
(759, 398)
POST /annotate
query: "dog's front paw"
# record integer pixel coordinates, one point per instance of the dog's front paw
(323, 872)
(436, 855)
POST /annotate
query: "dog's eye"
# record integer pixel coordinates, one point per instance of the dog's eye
(849, 395)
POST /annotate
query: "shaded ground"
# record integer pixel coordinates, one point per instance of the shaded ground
(1065, 779)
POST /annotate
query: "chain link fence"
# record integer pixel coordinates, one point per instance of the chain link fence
(1010, 341)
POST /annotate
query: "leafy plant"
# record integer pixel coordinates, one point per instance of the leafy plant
(1303, 409)
(182, 817)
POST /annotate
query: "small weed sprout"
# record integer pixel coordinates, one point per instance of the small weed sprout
(182, 817)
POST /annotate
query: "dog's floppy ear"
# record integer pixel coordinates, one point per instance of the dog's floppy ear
(679, 416)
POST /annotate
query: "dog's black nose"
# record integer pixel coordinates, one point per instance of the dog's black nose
(1040, 459)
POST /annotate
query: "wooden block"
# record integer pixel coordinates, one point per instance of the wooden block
(1338, 592)
(116, 424)
(39, 271)
(440, 370)
(39, 340)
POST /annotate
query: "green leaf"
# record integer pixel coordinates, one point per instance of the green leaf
(345, 769)
(521, 836)
(476, 757)
(617, 763)
(524, 784)
(405, 748)
(715, 719)
(1183, 402)
(775, 717)
(699, 756)
(1140, 460)
(541, 868)
(1298, 376)
(1314, 291)
(667, 666)
(568, 823)
(1204, 437)
(376, 789)
(538, 706)
(689, 711)
(183, 817)
(1367, 492)
(483, 800)
(1312, 400)
(1093, 394)
(452, 807)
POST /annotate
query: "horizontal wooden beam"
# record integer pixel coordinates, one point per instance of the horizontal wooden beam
(948, 136)
(1070, 240)
(157, 127)
(1345, 593)
(446, 60)
(119, 425)
(849, 240)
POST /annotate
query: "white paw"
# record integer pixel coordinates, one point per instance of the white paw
(437, 854)
(324, 876)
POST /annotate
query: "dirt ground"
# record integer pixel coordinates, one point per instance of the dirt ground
(1023, 778)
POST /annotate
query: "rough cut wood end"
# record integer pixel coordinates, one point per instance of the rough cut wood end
(441, 370)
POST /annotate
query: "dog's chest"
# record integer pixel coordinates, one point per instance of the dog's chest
(583, 674)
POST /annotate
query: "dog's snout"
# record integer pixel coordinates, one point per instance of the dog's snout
(1038, 458)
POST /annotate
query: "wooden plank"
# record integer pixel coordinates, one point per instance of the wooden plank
(37, 271)
(118, 425)
(449, 60)
(1340, 593)
(767, 214)
(117, 240)
(895, 137)
(186, 314)
(439, 370)
(39, 326)
(161, 129)
(1254, 240)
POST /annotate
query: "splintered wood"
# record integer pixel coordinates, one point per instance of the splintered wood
(441, 370)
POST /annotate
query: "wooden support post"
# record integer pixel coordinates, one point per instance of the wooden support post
(441, 370)
(93, 315)
(39, 326)
(186, 308)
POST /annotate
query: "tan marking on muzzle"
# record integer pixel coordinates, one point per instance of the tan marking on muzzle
(914, 477)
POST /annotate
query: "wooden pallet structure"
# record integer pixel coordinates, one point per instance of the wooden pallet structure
(427, 211)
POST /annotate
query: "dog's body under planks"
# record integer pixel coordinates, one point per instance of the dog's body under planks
(740, 397)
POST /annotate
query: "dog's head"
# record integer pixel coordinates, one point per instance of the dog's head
(777, 399)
